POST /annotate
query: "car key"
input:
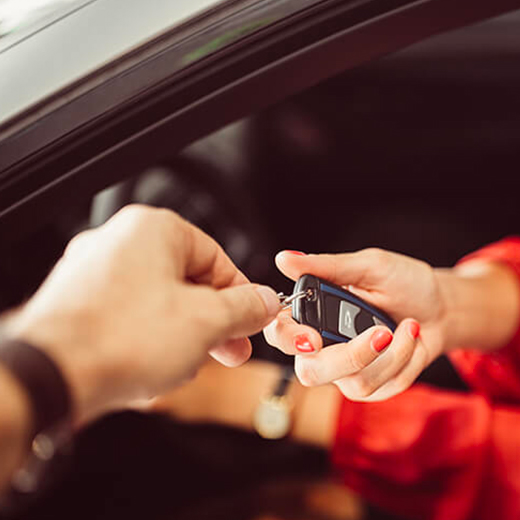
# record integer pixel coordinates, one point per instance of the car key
(337, 314)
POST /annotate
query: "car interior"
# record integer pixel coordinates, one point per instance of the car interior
(416, 152)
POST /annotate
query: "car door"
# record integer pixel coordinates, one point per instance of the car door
(92, 93)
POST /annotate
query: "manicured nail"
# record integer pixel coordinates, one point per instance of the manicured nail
(270, 298)
(299, 253)
(302, 344)
(381, 339)
(414, 329)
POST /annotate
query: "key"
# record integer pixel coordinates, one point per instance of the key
(337, 314)
(287, 301)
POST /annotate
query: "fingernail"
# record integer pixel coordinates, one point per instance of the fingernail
(302, 344)
(414, 329)
(299, 253)
(270, 298)
(381, 339)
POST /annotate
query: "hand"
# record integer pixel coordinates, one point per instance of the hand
(134, 307)
(375, 365)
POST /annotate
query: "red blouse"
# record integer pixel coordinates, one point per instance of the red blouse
(432, 454)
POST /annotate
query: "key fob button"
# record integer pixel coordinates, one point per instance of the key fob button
(347, 319)
(364, 321)
(377, 321)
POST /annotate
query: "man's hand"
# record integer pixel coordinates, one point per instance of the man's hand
(134, 307)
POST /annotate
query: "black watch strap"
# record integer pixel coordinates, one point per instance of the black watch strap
(51, 403)
(44, 383)
(285, 380)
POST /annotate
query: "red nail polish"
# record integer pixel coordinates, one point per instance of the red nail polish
(299, 253)
(302, 344)
(381, 339)
(414, 329)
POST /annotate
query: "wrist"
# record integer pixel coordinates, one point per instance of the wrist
(313, 411)
(66, 340)
(230, 396)
(451, 328)
(239, 392)
(15, 425)
(481, 303)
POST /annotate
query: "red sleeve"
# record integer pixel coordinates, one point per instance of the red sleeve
(419, 455)
(438, 455)
(495, 374)
(432, 454)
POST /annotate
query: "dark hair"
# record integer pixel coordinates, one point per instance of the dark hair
(137, 466)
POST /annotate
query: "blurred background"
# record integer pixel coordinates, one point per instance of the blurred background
(416, 152)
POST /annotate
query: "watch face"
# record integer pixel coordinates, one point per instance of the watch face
(272, 419)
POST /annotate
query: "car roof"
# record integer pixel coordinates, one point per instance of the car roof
(43, 60)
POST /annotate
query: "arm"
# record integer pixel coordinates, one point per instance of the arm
(421, 454)
(132, 309)
(482, 305)
(213, 397)
(493, 369)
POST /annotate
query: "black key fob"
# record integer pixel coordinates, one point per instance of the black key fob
(337, 314)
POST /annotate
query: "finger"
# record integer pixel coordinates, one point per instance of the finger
(244, 310)
(390, 364)
(290, 337)
(343, 359)
(207, 263)
(404, 379)
(364, 268)
(197, 256)
(233, 352)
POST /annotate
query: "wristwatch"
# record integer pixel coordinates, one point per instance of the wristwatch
(51, 407)
(272, 418)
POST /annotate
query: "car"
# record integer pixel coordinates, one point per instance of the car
(315, 125)
(137, 86)
(96, 91)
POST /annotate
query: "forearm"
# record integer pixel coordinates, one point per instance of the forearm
(317, 418)
(15, 425)
(230, 397)
(314, 413)
(482, 305)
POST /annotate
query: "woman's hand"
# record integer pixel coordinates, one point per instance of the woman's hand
(376, 364)
(474, 305)
(134, 307)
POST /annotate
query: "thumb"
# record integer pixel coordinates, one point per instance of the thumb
(249, 308)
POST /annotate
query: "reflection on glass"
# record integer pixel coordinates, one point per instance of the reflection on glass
(19, 14)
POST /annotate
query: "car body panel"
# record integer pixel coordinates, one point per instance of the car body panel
(83, 41)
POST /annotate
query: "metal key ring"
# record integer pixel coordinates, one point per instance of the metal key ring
(286, 301)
